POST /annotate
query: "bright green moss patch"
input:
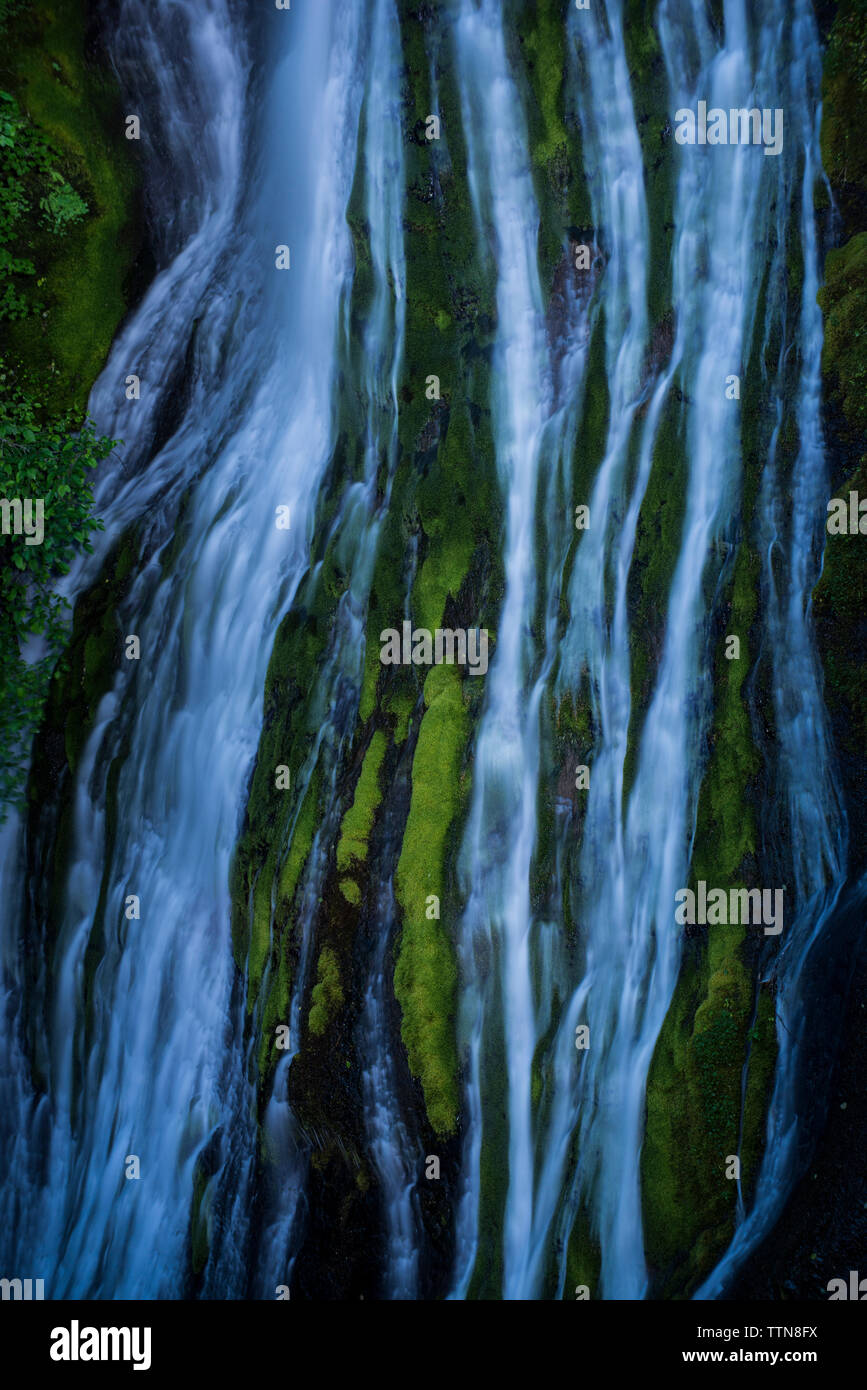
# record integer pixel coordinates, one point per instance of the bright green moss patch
(441, 575)
(425, 977)
(449, 529)
(544, 47)
(351, 891)
(276, 1010)
(301, 843)
(400, 703)
(358, 821)
(327, 996)
(372, 669)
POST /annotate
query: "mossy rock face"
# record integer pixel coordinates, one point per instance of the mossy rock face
(91, 661)
(72, 229)
(583, 1261)
(425, 977)
(81, 679)
(358, 821)
(327, 997)
(279, 821)
(654, 559)
(649, 84)
(840, 607)
(95, 270)
(437, 544)
(840, 597)
(717, 1029)
(843, 300)
(844, 86)
(694, 1114)
(695, 1118)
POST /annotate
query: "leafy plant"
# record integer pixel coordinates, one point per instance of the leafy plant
(52, 461)
(33, 190)
(62, 205)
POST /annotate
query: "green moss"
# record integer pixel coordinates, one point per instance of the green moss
(760, 1080)
(327, 996)
(90, 664)
(651, 101)
(262, 898)
(301, 842)
(358, 821)
(74, 104)
(372, 671)
(545, 58)
(486, 1282)
(276, 1010)
(843, 300)
(351, 891)
(425, 976)
(441, 575)
(657, 546)
(260, 926)
(726, 827)
(844, 85)
(593, 425)
(262, 933)
(840, 605)
(694, 1092)
(694, 1116)
(840, 597)
(583, 1258)
(400, 703)
(69, 231)
(277, 828)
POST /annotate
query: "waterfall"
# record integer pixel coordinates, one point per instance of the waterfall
(809, 821)
(135, 1025)
(165, 1038)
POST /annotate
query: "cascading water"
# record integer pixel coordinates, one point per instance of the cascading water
(162, 1026)
(631, 979)
(123, 1002)
(808, 815)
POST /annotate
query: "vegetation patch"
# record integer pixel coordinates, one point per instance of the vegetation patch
(70, 229)
(358, 821)
(425, 977)
(327, 997)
